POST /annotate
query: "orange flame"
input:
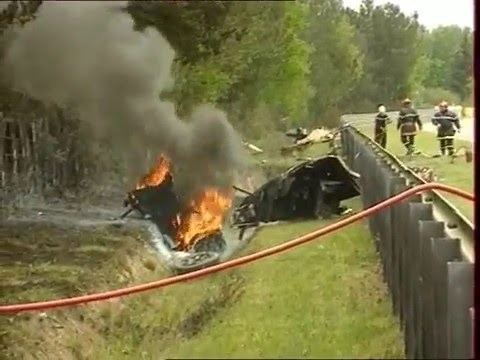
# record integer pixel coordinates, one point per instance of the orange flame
(157, 174)
(202, 217)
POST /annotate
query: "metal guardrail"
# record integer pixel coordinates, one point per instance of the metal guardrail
(427, 253)
(458, 225)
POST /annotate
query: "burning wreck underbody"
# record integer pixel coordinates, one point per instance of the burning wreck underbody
(193, 231)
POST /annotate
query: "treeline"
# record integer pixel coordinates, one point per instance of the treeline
(270, 65)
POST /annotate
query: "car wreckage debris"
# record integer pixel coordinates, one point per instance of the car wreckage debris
(312, 189)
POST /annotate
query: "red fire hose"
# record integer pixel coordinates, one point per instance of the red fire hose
(83, 299)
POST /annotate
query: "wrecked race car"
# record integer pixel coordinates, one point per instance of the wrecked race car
(311, 189)
(189, 233)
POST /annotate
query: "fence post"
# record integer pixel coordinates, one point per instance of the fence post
(425, 316)
(443, 250)
(398, 185)
(459, 302)
(417, 211)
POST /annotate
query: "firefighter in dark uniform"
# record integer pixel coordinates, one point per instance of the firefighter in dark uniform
(381, 121)
(446, 121)
(408, 120)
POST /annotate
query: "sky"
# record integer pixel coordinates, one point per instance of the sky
(431, 13)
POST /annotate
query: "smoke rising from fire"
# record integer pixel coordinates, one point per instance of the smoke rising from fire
(86, 55)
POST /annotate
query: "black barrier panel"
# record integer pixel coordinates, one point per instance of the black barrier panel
(367, 182)
(385, 224)
(443, 251)
(398, 185)
(459, 302)
(405, 228)
(425, 318)
(386, 229)
(417, 212)
(378, 196)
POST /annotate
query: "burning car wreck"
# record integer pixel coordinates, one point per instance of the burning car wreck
(311, 189)
(192, 231)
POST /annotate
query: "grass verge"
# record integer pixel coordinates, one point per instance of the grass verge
(324, 299)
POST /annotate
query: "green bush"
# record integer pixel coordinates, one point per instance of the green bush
(433, 96)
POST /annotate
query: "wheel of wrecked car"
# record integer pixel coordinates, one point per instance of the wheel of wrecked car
(213, 243)
(196, 261)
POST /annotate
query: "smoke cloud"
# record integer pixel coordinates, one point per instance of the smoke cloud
(86, 56)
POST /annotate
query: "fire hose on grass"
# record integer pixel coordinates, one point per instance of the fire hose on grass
(83, 299)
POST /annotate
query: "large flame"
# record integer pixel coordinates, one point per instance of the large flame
(202, 216)
(157, 174)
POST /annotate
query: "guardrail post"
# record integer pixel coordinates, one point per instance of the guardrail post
(404, 226)
(460, 300)
(425, 319)
(386, 228)
(417, 211)
(398, 185)
(443, 250)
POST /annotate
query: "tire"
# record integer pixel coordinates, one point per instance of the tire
(196, 261)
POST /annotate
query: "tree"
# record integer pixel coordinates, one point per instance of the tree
(389, 41)
(461, 71)
(440, 44)
(336, 59)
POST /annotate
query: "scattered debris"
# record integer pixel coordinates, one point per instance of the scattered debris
(425, 173)
(317, 135)
(253, 148)
(304, 140)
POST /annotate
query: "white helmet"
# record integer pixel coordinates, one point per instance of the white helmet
(382, 109)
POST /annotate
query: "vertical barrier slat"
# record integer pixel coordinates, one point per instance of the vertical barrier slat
(405, 254)
(398, 185)
(443, 251)
(417, 211)
(459, 302)
(425, 324)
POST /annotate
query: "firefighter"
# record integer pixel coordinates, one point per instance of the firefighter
(446, 121)
(408, 121)
(381, 121)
